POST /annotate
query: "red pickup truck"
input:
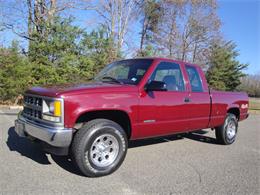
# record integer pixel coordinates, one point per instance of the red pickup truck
(129, 99)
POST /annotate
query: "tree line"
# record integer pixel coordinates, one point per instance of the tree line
(52, 48)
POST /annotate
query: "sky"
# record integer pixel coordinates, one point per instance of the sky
(241, 23)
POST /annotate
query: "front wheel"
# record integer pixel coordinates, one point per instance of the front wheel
(226, 133)
(99, 147)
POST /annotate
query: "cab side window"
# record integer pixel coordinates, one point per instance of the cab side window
(194, 78)
(170, 74)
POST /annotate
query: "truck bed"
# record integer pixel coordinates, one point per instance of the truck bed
(223, 101)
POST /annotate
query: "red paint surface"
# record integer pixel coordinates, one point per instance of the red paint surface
(167, 108)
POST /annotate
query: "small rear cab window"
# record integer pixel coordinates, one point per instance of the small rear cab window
(194, 78)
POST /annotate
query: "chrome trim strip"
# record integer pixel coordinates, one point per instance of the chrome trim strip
(149, 121)
(39, 108)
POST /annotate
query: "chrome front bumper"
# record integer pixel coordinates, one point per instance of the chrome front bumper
(55, 136)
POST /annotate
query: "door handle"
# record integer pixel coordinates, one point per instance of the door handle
(187, 99)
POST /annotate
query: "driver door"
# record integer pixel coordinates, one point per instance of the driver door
(165, 112)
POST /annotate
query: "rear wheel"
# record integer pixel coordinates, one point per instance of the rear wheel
(99, 147)
(226, 133)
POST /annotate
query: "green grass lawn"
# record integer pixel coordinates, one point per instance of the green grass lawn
(254, 104)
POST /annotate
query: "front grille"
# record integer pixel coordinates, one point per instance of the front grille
(31, 113)
(32, 107)
(35, 101)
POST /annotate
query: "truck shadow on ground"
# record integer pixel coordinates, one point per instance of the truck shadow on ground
(196, 136)
(25, 147)
(33, 151)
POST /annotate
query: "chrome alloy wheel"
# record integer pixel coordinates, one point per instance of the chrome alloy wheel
(231, 129)
(104, 150)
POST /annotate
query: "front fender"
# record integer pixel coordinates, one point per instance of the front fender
(75, 106)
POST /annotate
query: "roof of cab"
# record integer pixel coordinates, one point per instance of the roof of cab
(162, 59)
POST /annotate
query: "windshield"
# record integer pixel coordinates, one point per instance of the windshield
(125, 71)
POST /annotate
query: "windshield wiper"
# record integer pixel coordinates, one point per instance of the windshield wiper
(112, 79)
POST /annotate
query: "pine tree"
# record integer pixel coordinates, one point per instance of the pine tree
(152, 14)
(225, 70)
(14, 73)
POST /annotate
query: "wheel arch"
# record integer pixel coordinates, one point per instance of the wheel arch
(235, 111)
(119, 116)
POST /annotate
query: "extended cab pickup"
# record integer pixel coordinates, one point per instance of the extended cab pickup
(129, 99)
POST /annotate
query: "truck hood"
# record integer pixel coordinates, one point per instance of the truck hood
(70, 89)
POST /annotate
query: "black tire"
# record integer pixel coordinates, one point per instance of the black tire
(88, 135)
(221, 132)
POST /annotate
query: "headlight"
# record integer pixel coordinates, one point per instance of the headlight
(52, 110)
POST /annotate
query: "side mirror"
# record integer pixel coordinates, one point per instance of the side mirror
(156, 86)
